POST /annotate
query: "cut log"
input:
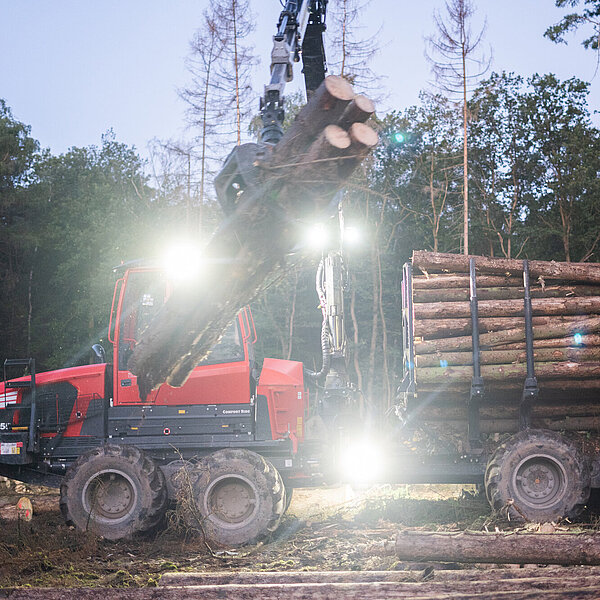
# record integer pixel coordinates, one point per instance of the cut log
(457, 411)
(458, 263)
(510, 390)
(497, 338)
(326, 107)
(512, 425)
(493, 373)
(504, 293)
(358, 111)
(509, 308)
(435, 281)
(280, 577)
(501, 357)
(497, 548)
(584, 340)
(442, 328)
(328, 163)
(320, 162)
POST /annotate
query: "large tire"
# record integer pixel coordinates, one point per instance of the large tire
(539, 476)
(114, 492)
(239, 498)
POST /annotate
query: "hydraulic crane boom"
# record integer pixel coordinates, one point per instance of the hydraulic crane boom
(299, 31)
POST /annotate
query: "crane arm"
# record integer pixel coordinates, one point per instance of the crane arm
(299, 33)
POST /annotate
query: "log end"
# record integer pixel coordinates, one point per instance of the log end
(336, 137)
(363, 136)
(364, 104)
(339, 88)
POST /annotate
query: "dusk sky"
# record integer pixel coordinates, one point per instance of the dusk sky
(74, 68)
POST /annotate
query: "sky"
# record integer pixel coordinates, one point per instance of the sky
(72, 69)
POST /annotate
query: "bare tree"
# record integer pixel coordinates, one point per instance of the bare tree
(218, 96)
(235, 64)
(204, 112)
(350, 50)
(452, 51)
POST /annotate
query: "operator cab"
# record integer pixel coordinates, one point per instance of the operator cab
(224, 375)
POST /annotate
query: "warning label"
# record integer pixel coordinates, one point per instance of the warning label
(10, 447)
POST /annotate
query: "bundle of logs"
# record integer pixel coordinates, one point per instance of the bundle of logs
(268, 193)
(566, 331)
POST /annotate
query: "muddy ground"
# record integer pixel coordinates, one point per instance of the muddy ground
(324, 529)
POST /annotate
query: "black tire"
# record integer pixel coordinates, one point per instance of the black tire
(289, 493)
(114, 492)
(239, 498)
(538, 475)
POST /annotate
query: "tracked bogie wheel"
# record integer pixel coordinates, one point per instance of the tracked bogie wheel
(239, 498)
(537, 475)
(114, 491)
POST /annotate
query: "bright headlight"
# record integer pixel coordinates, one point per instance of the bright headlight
(317, 236)
(182, 262)
(362, 462)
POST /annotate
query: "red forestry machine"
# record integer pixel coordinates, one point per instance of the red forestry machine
(116, 453)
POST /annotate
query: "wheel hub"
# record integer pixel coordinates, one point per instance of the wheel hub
(540, 481)
(109, 495)
(232, 500)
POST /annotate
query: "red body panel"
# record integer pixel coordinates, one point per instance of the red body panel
(89, 380)
(224, 383)
(282, 382)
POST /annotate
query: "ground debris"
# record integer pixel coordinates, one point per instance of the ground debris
(324, 530)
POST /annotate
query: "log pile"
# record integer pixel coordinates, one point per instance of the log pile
(566, 326)
(268, 193)
(566, 321)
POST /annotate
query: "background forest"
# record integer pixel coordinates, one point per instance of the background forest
(530, 160)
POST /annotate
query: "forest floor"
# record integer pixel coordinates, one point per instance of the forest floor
(324, 529)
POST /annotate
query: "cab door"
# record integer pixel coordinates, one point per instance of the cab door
(223, 377)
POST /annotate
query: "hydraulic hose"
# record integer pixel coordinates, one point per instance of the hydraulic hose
(325, 334)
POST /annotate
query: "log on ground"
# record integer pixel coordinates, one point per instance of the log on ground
(497, 548)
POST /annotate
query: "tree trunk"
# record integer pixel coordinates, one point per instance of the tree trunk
(512, 425)
(498, 338)
(504, 293)
(435, 281)
(582, 272)
(501, 357)
(325, 107)
(551, 370)
(499, 548)
(443, 328)
(508, 308)
(457, 411)
(238, 261)
(580, 341)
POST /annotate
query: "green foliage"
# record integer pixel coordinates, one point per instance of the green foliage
(590, 15)
(93, 217)
(18, 155)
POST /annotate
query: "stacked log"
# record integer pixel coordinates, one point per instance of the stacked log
(566, 330)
